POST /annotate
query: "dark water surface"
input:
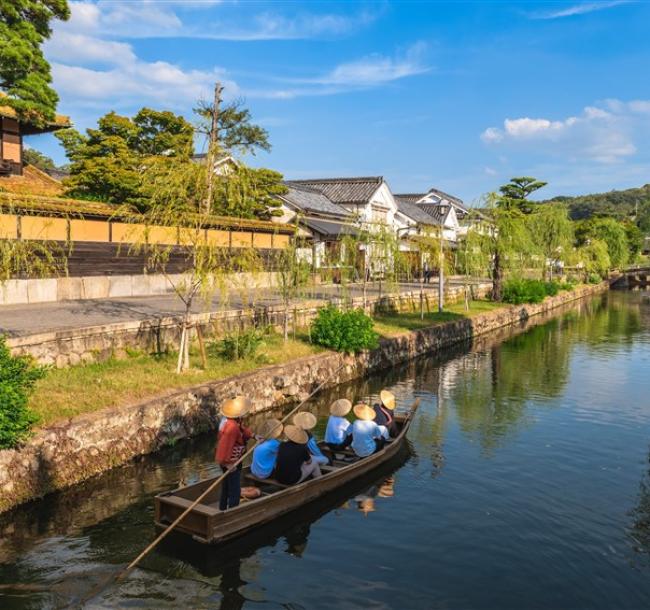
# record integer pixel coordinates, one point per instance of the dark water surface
(527, 485)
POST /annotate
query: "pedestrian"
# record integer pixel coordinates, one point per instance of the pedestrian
(295, 463)
(307, 421)
(232, 440)
(368, 437)
(384, 415)
(265, 455)
(337, 433)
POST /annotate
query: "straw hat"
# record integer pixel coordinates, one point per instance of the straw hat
(271, 428)
(364, 412)
(387, 399)
(236, 407)
(305, 420)
(295, 434)
(341, 407)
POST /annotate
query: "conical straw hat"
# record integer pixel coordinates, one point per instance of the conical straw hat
(387, 399)
(364, 412)
(295, 434)
(341, 407)
(271, 428)
(236, 407)
(305, 420)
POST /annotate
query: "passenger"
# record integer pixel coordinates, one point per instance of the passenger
(384, 415)
(307, 421)
(367, 436)
(232, 440)
(337, 433)
(265, 455)
(295, 463)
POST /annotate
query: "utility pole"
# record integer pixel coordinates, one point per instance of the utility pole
(212, 148)
(441, 262)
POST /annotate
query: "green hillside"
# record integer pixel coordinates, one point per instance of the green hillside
(617, 204)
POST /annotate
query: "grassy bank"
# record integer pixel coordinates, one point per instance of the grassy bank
(68, 392)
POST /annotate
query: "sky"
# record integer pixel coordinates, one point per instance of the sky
(460, 95)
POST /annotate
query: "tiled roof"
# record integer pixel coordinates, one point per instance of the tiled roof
(415, 212)
(344, 190)
(455, 200)
(409, 197)
(59, 122)
(330, 229)
(312, 200)
(434, 210)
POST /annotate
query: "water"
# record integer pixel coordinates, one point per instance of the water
(527, 485)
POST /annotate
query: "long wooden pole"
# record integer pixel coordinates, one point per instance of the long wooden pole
(231, 469)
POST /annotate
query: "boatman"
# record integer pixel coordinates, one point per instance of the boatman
(307, 421)
(367, 436)
(265, 454)
(384, 412)
(295, 463)
(232, 440)
(337, 433)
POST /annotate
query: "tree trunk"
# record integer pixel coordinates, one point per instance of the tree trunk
(497, 278)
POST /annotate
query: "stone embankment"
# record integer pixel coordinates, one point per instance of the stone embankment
(73, 451)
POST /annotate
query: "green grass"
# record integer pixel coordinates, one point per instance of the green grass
(390, 325)
(68, 392)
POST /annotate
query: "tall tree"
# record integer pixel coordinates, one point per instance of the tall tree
(514, 195)
(609, 231)
(24, 72)
(235, 133)
(552, 233)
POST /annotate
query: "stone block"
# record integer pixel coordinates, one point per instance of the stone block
(95, 287)
(13, 292)
(69, 288)
(41, 291)
(120, 286)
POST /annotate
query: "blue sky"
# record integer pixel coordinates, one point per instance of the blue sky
(457, 95)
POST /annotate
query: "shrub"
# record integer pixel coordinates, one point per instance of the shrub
(523, 291)
(17, 379)
(551, 288)
(344, 331)
(239, 345)
(594, 278)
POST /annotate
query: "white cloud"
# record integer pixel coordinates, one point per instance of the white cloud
(149, 19)
(82, 49)
(604, 133)
(581, 8)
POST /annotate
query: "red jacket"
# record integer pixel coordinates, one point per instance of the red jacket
(231, 441)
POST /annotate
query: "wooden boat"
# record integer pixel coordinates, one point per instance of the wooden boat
(209, 525)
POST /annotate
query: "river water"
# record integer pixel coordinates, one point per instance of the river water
(526, 485)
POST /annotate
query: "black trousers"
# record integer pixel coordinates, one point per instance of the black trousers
(230, 489)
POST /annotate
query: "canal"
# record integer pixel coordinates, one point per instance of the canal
(526, 485)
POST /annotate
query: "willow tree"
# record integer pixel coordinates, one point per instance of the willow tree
(432, 247)
(504, 241)
(552, 233)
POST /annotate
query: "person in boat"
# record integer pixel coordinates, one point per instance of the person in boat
(368, 436)
(295, 463)
(384, 412)
(231, 445)
(307, 421)
(337, 433)
(265, 455)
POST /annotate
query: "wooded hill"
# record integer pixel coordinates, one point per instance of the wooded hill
(617, 204)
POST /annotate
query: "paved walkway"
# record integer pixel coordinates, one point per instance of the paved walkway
(18, 320)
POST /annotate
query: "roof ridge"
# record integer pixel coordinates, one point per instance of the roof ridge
(377, 179)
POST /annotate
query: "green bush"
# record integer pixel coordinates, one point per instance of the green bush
(238, 345)
(344, 331)
(17, 379)
(594, 278)
(520, 291)
(551, 288)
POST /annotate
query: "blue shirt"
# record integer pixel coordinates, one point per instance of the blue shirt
(364, 434)
(265, 456)
(314, 449)
(337, 430)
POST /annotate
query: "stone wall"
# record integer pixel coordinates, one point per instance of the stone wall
(98, 343)
(72, 451)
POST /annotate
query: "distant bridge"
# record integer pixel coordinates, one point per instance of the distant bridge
(632, 278)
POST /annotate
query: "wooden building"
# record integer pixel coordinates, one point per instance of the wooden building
(12, 132)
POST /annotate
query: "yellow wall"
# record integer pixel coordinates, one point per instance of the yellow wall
(218, 238)
(262, 240)
(8, 226)
(88, 230)
(240, 239)
(280, 241)
(127, 234)
(162, 235)
(40, 227)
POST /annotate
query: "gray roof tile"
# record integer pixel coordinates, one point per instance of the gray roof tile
(343, 190)
(415, 212)
(311, 200)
